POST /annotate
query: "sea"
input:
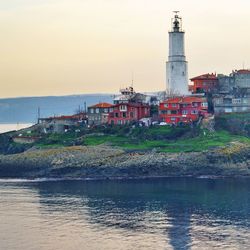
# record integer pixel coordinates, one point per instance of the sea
(6, 127)
(170, 213)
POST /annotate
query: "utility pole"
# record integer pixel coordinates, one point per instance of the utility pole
(85, 107)
(38, 114)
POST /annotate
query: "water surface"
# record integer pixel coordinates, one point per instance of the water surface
(137, 214)
(6, 127)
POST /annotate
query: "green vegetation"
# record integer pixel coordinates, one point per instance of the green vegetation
(203, 141)
(160, 138)
(236, 123)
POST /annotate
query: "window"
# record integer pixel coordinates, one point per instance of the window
(174, 105)
(204, 104)
(132, 114)
(173, 112)
(236, 101)
(165, 105)
(97, 110)
(123, 108)
(184, 112)
(91, 111)
(124, 114)
(172, 119)
(116, 115)
(111, 110)
(105, 110)
(194, 112)
(195, 104)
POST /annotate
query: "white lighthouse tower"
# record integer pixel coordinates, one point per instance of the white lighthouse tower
(177, 71)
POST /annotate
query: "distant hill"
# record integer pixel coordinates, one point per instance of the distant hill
(25, 109)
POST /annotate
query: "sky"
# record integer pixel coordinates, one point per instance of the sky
(60, 47)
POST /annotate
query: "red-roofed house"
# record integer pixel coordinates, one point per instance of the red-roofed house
(183, 109)
(124, 113)
(206, 83)
(60, 124)
(98, 114)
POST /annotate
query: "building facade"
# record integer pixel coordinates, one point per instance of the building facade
(207, 83)
(183, 109)
(233, 94)
(61, 124)
(129, 107)
(98, 114)
(177, 66)
(125, 113)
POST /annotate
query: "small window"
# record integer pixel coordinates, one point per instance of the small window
(174, 105)
(124, 114)
(123, 108)
(165, 105)
(116, 115)
(97, 110)
(184, 112)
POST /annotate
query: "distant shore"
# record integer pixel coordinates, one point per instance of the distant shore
(105, 162)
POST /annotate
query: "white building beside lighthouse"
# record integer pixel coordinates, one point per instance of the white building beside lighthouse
(177, 69)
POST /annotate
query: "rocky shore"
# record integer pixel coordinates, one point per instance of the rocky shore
(108, 162)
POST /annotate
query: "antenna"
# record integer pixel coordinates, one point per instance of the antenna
(132, 83)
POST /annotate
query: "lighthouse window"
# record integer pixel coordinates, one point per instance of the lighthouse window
(172, 67)
(183, 73)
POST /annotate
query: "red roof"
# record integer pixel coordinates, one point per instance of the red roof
(63, 117)
(242, 71)
(205, 77)
(102, 105)
(184, 99)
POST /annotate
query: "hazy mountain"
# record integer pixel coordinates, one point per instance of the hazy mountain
(25, 109)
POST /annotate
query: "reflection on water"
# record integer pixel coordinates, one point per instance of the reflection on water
(139, 214)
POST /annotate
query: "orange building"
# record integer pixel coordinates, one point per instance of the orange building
(206, 83)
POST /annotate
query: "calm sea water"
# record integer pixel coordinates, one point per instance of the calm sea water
(5, 127)
(135, 214)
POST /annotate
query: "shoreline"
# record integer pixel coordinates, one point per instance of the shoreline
(37, 180)
(112, 163)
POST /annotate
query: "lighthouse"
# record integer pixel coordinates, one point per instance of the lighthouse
(176, 66)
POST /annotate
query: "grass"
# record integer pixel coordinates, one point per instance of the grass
(161, 138)
(203, 141)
